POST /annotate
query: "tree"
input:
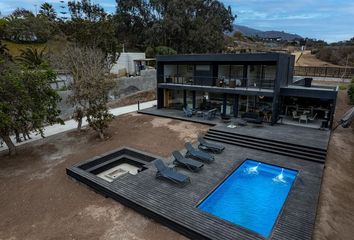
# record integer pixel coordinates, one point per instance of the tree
(188, 26)
(90, 86)
(351, 92)
(31, 57)
(160, 50)
(91, 26)
(48, 11)
(23, 26)
(27, 101)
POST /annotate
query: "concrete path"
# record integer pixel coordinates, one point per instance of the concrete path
(72, 124)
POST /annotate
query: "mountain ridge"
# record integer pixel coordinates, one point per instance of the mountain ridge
(251, 32)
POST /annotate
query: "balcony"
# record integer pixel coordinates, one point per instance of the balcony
(230, 83)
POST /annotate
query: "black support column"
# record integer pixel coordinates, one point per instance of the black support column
(236, 97)
(224, 104)
(160, 98)
(194, 99)
(184, 98)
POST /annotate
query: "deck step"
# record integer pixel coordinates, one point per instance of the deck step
(267, 145)
(280, 147)
(270, 141)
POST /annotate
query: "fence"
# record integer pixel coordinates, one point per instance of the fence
(334, 72)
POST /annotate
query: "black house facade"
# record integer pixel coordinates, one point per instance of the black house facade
(235, 84)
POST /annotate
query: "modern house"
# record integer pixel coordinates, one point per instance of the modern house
(238, 83)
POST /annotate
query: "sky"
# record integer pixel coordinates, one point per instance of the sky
(329, 20)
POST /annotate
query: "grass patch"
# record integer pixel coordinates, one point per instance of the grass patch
(343, 87)
(51, 45)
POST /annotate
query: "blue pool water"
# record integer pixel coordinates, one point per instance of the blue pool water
(252, 196)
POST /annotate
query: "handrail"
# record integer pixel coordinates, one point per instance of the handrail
(233, 82)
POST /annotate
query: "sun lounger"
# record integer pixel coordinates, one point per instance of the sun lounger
(197, 154)
(190, 164)
(168, 173)
(204, 145)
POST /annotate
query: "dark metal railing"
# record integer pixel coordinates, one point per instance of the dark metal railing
(335, 72)
(254, 83)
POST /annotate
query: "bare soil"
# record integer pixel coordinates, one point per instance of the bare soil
(39, 201)
(335, 216)
(142, 96)
(308, 59)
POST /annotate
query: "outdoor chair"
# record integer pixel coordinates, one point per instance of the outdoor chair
(211, 114)
(303, 118)
(214, 148)
(193, 111)
(187, 112)
(312, 118)
(190, 164)
(295, 116)
(170, 174)
(197, 154)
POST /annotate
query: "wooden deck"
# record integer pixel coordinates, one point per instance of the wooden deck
(300, 135)
(175, 206)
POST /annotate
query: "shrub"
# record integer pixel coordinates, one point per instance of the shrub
(342, 87)
(351, 92)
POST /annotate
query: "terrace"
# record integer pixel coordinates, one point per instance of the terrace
(286, 119)
(176, 208)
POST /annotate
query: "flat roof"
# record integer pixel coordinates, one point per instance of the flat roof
(310, 92)
(242, 57)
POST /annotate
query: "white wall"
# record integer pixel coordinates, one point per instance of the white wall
(126, 61)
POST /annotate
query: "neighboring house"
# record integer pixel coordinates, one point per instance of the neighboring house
(238, 83)
(126, 64)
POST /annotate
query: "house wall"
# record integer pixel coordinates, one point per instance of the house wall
(126, 62)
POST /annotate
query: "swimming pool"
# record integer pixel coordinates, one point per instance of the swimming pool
(252, 196)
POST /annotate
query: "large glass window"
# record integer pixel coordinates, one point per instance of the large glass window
(173, 99)
(190, 99)
(259, 104)
(230, 105)
(231, 75)
(170, 73)
(185, 72)
(236, 78)
(207, 101)
(261, 76)
(216, 101)
(201, 100)
(254, 75)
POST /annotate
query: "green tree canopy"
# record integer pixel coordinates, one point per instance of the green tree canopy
(188, 26)
(23, 26)
(27, 101)
(91, 26)
(48, 11)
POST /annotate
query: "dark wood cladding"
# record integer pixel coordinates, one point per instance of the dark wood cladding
(175, 206)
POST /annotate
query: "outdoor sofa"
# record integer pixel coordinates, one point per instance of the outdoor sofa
(252, 117)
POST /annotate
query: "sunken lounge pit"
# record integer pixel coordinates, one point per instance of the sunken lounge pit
(116, 164)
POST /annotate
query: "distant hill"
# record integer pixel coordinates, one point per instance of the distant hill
(251, 32)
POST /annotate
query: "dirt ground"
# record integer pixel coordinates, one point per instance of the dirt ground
(39, 201)
(335, 216)
(308, 59)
